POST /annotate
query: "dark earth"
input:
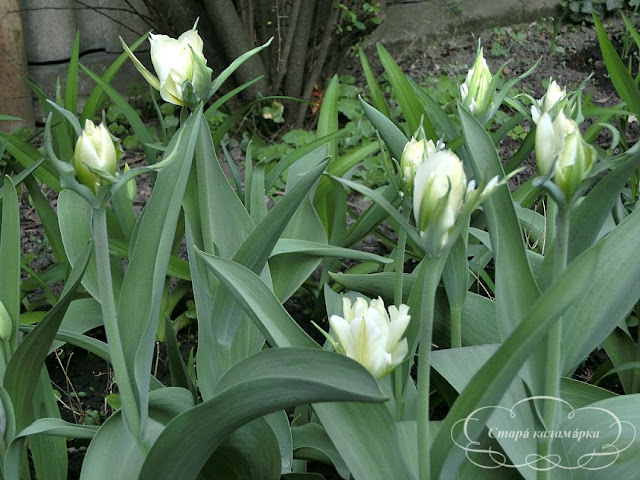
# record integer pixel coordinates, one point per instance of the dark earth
(84, 380)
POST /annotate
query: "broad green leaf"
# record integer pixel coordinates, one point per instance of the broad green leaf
(516, 289)
(71, 88)
(611, 295)
(366, 438)
(268, 381)
(24, 369)
(74, 217)
(10, 265)
(279, 423)
(411, 107)
(372, 84)
(96, 98)
(137, 321)
(251, 451)
(305, 224)
(390, 133)
(28, 155)
(254, 251)
(312, 436)
(115, 453)
(43, 426)
(327, 124)
(589, 216)
(613, 454)
(373, 458)
(259, 302)
(292, 246)
(459, 365)
(580, 394)
(623, 352)
(227, 72)
(488, 386)
(622, 80)
(49, 454)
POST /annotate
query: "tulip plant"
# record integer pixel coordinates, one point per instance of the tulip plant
(420, 376)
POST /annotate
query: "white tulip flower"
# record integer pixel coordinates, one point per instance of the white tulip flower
(180, 67)
(370, 335)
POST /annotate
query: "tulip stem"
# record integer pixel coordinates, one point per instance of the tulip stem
(110, 319)
(430, 274)
(553, 368)
(398, 373)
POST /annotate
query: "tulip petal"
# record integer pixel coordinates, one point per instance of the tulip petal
(341, 331)
(148, 76)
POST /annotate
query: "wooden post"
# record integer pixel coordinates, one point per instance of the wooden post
(15, 96)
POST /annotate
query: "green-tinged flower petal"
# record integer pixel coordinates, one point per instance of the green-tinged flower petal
(371, 335)
(95, 148)
(148, 76)
(178, 62)
(439, 189)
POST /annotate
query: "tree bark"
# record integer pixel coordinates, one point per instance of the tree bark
(293, 82)
(15, 96)
(233, 39)
(314, 76)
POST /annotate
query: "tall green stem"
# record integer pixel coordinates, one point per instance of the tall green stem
(398, 375)
(429, 276)
(553, 367)
(110, 319)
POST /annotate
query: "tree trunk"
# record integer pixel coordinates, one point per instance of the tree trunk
(15, 96)
(314, 75)
(233, 39)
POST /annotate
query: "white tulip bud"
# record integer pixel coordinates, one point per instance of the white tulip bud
(440, 185)
(475, 91)
(97, 148)
(548, 101)
(562, 154)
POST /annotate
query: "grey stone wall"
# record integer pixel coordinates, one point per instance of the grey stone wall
(415, 23)
(49, 29)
